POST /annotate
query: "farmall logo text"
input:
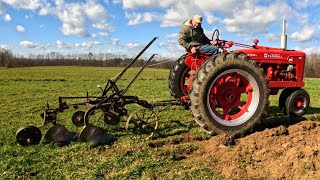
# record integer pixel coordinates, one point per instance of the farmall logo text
(272, 55)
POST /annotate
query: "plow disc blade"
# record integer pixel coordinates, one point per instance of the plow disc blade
(96, 135)
(59, 134)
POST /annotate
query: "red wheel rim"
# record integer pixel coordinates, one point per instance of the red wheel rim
(299, 104)
(185, 81)
(233, 97)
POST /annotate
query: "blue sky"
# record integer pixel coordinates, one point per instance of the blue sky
(126, 26)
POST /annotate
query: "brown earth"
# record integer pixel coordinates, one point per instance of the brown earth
(281, 152)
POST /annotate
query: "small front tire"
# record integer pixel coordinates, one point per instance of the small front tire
(297, 103)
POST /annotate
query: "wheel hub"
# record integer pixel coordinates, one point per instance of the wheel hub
(299, 104)
(226, 95)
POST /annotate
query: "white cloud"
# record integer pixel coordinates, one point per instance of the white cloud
(45, 9)
(307, 33)
(103, 33)
(3, 46)
(212, 19)
(72, 18)
(271, 37)
(7, 18)
(75, 16)
(20, 28)
(171, 46)
(222, 6)
(31, 45)
(94, 10)
(28, 44)
(93, 35)
(115, 41)
(103, 26)
(179, 12)
(87, 45)
(169, 36)
(256, 19)
(62, 45)
(309, 50)
(133, 45)
(306, 3)
(2, 9)
(140, 18)
(24, 4)
(134, 4)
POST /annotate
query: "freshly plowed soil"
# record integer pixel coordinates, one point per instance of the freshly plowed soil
(281, 152)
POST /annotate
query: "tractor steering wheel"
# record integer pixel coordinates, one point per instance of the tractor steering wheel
(215, 36)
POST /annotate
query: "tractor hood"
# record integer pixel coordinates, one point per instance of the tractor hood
(269, 53)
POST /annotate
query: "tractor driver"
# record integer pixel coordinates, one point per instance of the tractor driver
(192, 38)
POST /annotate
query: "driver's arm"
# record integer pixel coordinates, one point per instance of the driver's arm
(183, 37)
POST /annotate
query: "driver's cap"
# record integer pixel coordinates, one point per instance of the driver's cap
(197, 18)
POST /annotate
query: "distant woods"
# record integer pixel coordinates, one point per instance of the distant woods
(312, 66)
(8, 60)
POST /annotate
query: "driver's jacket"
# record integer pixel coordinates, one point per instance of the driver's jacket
(192, 37)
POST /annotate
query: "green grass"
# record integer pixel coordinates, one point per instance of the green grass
(24, 91)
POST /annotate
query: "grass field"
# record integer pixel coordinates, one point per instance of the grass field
(24, 91)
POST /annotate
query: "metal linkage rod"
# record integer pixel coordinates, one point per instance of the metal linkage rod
(140, 71)
(242, 45)
(134, 60)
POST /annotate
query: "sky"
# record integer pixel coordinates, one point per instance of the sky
(126, 26)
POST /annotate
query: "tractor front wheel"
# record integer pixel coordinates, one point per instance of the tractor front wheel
(297, 103)
(229, 94)
(283, 97)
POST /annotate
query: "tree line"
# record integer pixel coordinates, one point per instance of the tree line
(8, 60)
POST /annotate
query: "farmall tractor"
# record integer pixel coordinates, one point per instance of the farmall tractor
(228, 92)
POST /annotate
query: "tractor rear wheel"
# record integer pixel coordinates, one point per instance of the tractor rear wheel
(229, 94)
(179, 78)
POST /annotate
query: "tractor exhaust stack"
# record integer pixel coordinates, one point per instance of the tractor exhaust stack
(284, 35)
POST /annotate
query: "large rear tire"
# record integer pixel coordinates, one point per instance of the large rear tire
(179, 78)
(229, 94)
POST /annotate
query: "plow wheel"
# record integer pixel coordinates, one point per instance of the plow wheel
(297, 103)
(98, 115)
(229, 94)
(29, 135)
(78, 118)
(94, 116)
(142, 123)
(179, 78)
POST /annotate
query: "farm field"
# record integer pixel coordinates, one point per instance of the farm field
(277, 148)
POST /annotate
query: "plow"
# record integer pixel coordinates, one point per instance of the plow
(227, 93)
(110, 107)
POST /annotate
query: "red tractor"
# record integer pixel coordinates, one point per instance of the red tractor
(228, 92)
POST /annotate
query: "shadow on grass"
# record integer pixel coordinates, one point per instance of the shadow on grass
(274, 119)
(176, 127)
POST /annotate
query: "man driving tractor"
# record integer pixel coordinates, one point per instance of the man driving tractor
(193, 39)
